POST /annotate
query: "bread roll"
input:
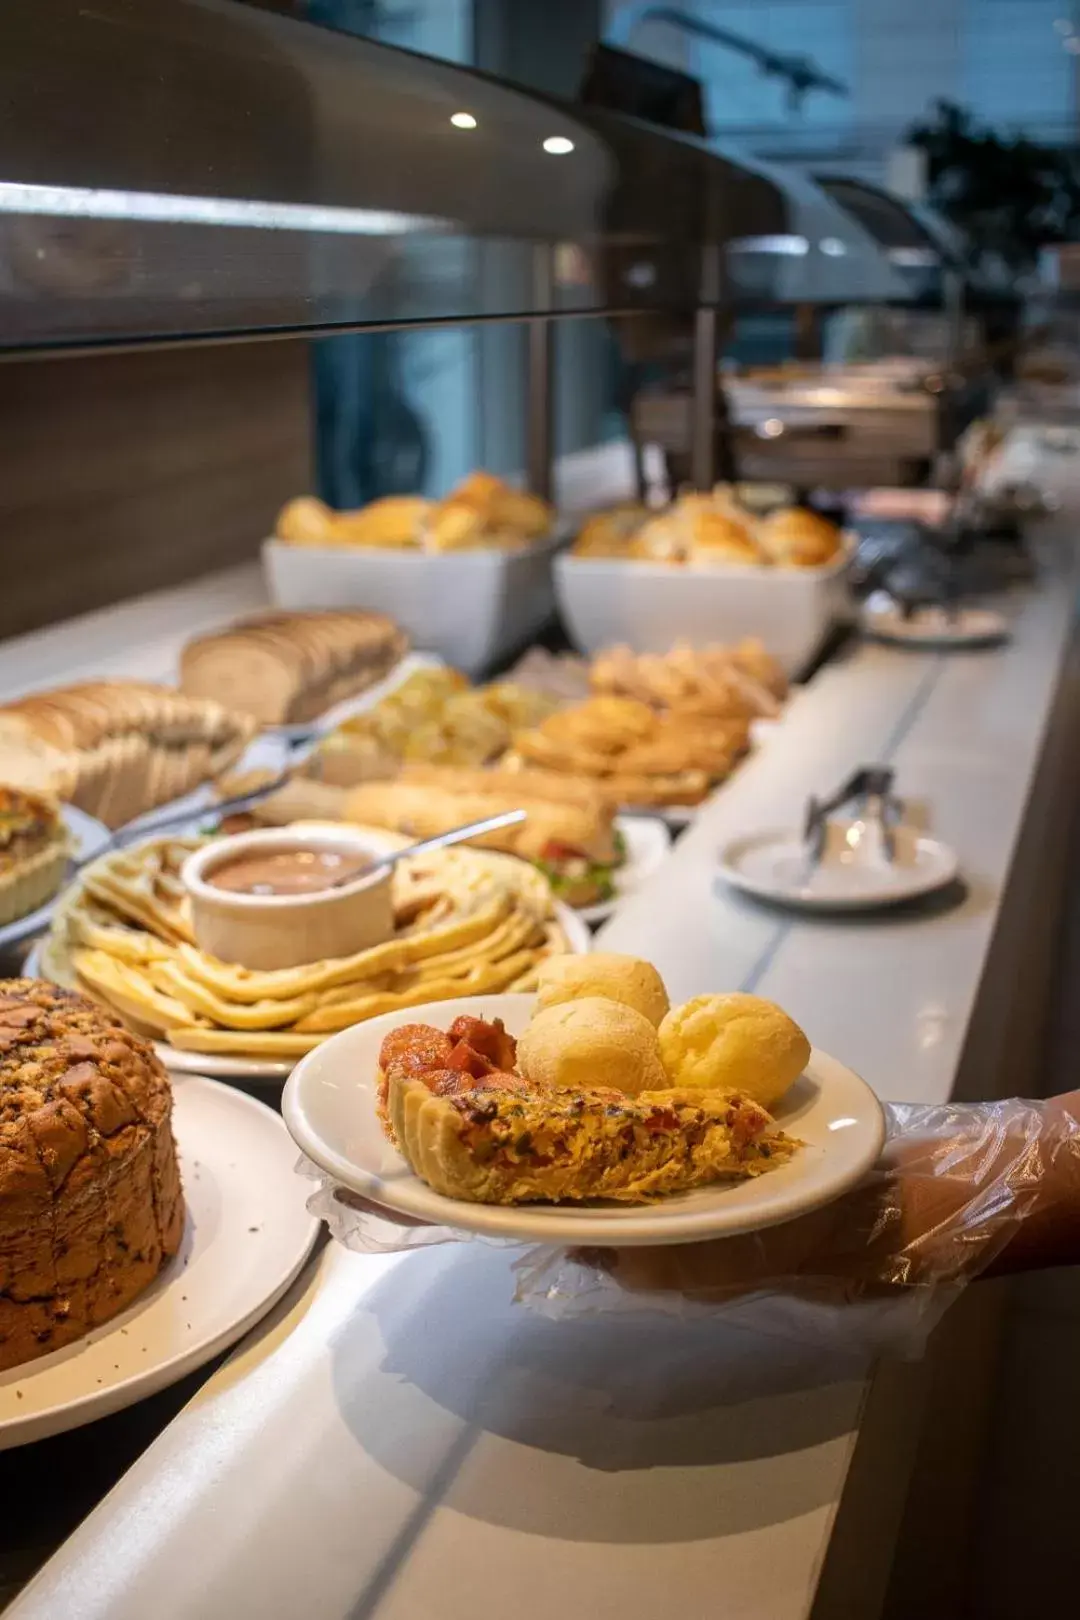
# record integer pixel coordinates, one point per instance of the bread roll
(733, 1042)
(454, 526)
(625, 979)
(395, 521)
(590, 1043)
(719, 537)
(662, 539)
(306, 521)
(608, 534)
(796, 538)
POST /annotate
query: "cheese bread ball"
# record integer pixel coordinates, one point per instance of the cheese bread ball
(626, 979)
(589, 1044)
(733, 1042)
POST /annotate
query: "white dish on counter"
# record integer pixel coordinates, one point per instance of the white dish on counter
(647, 840)
(247, 1236)
(473, 608)
(329, 1107)
(87, 836)
(273, 1071)
(931, 628)
(775, 866)
(649, 606)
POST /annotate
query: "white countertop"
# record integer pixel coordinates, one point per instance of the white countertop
(401, 1442)
(138, 640)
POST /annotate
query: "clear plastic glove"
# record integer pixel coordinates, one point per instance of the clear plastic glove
(947, 1202)
(959, 1190)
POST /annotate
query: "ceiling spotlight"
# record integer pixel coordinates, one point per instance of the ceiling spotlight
(1072, 44)
(832, 247)
(463, 120)
(558, 145)
(1063, 25)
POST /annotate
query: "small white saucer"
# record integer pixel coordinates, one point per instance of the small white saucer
(774, 865)
(932, 627)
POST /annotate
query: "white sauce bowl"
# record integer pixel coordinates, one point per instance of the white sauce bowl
(266, 931)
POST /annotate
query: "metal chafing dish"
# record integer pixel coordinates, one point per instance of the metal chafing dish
(833, 427)
(839, 425)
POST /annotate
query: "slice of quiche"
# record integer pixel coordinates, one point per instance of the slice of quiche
(34, 850)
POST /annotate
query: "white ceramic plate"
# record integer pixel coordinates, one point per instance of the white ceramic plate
(647, 840)
(87, 837)
(931, 628)
(329, 1106)
(247, 1236)
(772, 865)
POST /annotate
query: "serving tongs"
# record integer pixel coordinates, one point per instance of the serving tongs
(877, 813)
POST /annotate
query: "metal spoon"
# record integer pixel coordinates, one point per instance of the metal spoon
(456, 835)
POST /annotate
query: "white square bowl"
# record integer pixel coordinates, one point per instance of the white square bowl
(473, 608)
(649, 606)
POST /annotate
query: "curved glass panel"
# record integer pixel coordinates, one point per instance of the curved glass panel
(198, 168)
(824, 255)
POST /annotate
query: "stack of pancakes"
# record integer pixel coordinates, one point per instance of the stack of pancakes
(467, 922)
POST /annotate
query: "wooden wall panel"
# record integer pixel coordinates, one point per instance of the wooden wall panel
(123, 473)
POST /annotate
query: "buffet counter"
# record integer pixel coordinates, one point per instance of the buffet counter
(399, 1439)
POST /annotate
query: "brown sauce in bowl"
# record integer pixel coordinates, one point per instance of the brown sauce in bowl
(289, 871)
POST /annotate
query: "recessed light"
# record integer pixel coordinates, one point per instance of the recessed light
(558, 145)
(463, 120)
